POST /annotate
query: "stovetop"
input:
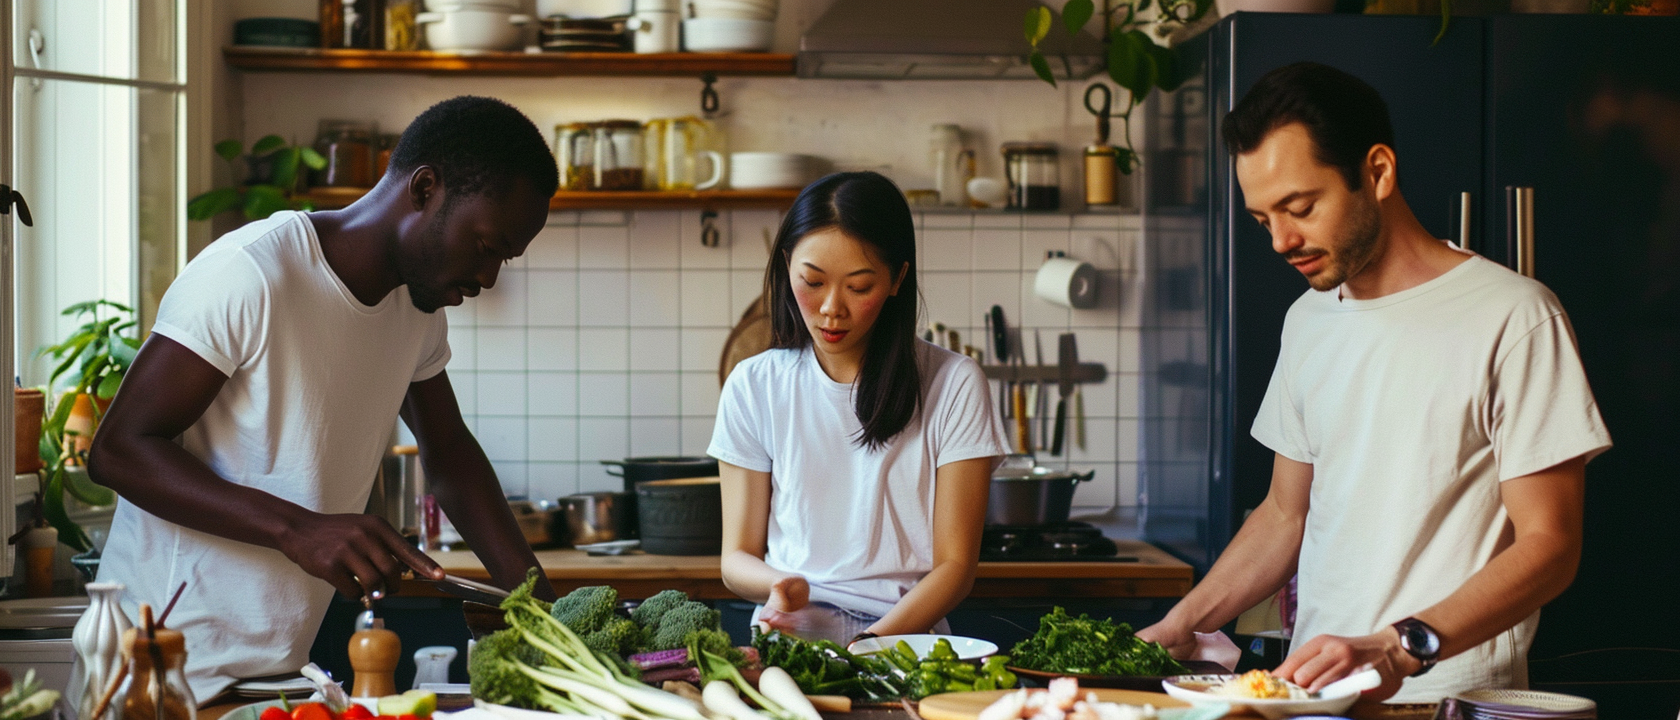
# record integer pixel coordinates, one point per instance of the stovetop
(1063, 541)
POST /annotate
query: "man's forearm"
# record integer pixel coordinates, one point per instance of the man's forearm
(464, 484)
(1259, 560)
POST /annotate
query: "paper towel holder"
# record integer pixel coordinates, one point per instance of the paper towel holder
(1066, 281)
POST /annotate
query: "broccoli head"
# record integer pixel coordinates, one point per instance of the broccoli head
(617, 638)
(678, 622)
(493, 669)
(652, 610)
(586, 609)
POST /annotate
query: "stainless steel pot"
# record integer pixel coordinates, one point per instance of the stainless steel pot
(595, 517)
(1032, 496)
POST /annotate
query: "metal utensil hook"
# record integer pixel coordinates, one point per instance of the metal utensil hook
(709, 234)
(708, 95)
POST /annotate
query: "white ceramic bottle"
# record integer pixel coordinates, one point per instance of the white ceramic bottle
(97, 640)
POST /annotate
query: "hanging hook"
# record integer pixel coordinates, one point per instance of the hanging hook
(708, 95)
(709, 235)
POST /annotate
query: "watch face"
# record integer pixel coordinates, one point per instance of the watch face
(1421, 640)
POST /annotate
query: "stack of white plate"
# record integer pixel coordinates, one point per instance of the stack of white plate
(1520, 705)
(765, 170)
(729, 25)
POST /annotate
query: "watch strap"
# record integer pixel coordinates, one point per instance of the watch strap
(1420, 641)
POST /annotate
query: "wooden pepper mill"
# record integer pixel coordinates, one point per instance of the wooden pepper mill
(373, 655)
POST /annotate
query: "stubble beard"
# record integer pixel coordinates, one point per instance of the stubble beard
(1355, 249)
(413, 266)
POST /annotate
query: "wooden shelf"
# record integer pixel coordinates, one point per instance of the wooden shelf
(508, 63)
(333, 198)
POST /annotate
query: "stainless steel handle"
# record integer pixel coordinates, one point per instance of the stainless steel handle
(1523, 226)
(1464, 220)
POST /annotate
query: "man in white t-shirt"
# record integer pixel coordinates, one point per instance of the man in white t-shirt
(247, 434)
(1429, 414)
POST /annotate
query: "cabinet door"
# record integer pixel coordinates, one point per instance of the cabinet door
(1434, 97)
(1585, 111)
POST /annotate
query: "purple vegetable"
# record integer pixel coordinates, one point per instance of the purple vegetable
(660, 659)
(688, 674)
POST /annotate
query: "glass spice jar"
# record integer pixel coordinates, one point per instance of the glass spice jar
(619, 152)
(347, 146)
(574, 152)
(156, 687)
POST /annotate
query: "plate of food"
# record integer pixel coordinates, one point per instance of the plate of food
(966, 648)
(1271, 697)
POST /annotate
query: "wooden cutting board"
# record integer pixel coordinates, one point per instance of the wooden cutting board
(967, 705)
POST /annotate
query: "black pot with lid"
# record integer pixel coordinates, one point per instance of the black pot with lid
(655, 467)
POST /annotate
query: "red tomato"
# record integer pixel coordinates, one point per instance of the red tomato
(275, 713)
(312, 711)
(408, 717)
(354, 712)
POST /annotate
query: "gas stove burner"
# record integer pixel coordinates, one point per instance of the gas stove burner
(1051, 541)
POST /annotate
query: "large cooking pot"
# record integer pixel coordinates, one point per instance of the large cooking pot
(595, 517)
(682, 516)
(1032, 496)
(642, 469)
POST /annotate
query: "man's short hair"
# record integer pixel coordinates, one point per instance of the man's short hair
(1343, 115)
(477, 145)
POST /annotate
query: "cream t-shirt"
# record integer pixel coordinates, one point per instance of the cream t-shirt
(1412, 408)
(857, 523)
(315, 380)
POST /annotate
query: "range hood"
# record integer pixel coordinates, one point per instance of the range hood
(937, 40)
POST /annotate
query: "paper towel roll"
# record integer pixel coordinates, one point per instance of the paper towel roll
(1067, 282)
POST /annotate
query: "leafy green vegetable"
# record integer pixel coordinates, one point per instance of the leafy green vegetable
(824, 668)
(1081, 645)
(586, 609)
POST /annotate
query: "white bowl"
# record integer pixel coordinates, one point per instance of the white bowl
(739, 9)
(1189, 688)
(472, 30)
(511, 6)
(584, 8)
(727, 35)
(765, 170)
(967, 648)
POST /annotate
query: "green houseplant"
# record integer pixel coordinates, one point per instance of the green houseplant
(96, 355)
(272, 185)
(1134, 34)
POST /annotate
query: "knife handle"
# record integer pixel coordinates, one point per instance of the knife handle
(1061, 421)
(1023, 427)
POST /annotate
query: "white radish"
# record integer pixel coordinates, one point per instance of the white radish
(603, 698)
(720, 697)
(662, 704)
(1008, 707)
(779, 686)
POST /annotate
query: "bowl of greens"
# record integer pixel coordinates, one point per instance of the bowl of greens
(1100, 653)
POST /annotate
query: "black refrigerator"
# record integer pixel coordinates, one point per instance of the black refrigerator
(1561, 129)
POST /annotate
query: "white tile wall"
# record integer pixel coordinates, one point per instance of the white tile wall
(603, 341)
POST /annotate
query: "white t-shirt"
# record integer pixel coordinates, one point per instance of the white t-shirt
(1412, 408)
(315, 380)
(858, 524)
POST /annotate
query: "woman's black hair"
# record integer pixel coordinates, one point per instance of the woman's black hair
(868, 207)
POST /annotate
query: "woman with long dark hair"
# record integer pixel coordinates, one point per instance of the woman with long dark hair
(855, 457)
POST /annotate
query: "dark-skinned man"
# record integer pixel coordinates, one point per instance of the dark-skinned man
(1429, 414)
(246, 435)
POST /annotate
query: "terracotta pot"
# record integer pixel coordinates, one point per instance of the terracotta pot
(82, 422)
(28, 406)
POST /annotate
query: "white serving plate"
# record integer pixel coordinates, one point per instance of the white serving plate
(967, 648)
(1190, 691)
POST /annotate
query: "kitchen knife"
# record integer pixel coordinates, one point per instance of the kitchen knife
(1000, 335)
(1041, 399)
(1078, 394)
(1066, 357)
(470, 590)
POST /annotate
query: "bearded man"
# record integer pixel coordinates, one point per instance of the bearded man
(1429, 414)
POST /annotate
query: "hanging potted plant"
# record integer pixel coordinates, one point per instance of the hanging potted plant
(1137, 35)
(97, 355)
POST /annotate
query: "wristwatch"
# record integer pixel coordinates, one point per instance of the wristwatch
(1420, 641)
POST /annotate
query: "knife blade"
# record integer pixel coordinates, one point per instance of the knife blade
(1066, 358)
(471, 590)
(1041, 396)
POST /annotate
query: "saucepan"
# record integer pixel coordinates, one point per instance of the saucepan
(1031, 494)
(596, 517)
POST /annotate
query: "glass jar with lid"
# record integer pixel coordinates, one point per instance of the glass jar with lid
(574, 152)
(156, 684)
(347, 146)
(1034, 174)
(619, 155)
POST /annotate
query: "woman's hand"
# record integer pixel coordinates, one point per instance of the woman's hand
(788, 596)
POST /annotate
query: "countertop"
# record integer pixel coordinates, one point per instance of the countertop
(1155, 574)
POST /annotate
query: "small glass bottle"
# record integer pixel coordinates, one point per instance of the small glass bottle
(332, 23)
(156, 686)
